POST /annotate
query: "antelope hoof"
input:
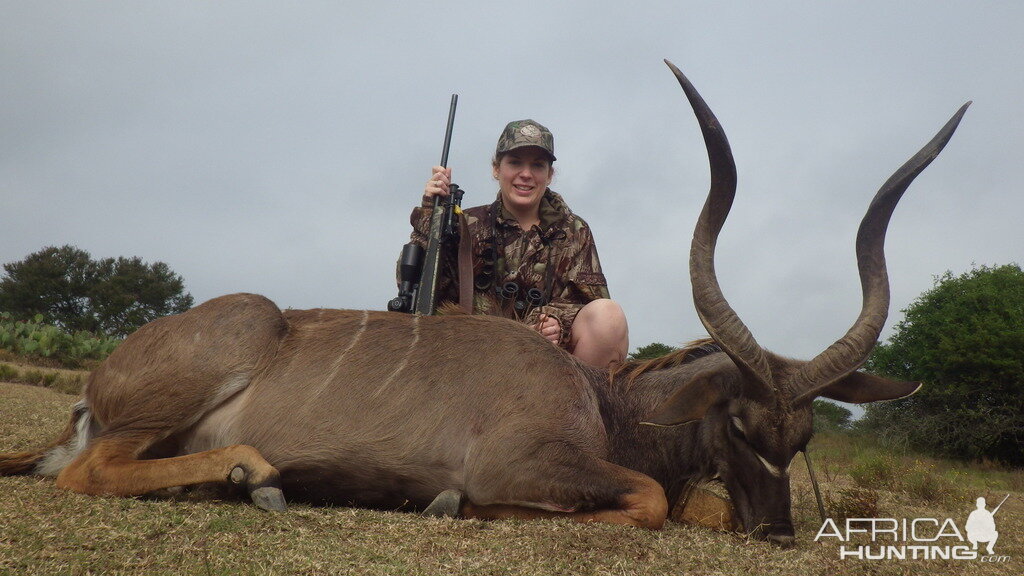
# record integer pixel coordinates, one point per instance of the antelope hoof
(237, 475)
(266, 494)
(782, 540)
(269, 498)
(446, 505)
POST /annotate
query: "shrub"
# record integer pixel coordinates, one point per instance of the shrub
(830, 417)
(36, 339)
(874, 470)
(920, 480)
(68, 383)
(964, 339)
(853, 503)
(924, 483)
(32, 377)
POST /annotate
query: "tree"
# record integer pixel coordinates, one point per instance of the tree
(964, 339)
(651, 351)
(53, 282)
(127, 293)
(110, 296)
(830, 417)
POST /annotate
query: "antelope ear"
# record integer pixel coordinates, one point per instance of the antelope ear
(861, 387)
(689, 403)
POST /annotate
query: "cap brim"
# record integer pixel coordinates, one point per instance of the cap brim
(550, 155)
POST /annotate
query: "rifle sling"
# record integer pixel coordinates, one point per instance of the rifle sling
(465, 262)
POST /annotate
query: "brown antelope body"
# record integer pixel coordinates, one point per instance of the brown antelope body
(388, 410)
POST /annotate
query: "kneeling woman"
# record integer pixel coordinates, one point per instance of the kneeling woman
(531, 251)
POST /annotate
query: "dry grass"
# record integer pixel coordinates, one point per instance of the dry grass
(44, 530)
(59, 379)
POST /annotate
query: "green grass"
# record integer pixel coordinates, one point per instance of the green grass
(870, 464)
(44, 530)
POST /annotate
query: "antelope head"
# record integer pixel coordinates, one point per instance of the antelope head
(755, 412)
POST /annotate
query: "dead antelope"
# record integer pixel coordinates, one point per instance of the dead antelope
(373, 409)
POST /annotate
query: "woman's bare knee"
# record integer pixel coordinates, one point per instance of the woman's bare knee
(600, 334)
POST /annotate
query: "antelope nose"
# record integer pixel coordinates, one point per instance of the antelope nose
(782, 540)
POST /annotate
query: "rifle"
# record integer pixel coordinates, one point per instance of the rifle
(418, 278)
(1000, 505)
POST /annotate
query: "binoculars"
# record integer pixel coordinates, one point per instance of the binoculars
(522, 301)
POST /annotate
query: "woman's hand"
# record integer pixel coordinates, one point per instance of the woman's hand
(549, 328)
(440, 178)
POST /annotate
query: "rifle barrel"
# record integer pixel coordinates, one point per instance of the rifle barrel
(448, 131)
(1000, 505)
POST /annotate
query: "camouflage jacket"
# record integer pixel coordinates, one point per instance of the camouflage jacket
(557, 257)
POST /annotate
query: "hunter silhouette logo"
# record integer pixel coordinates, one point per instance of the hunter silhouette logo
(917, 538)
(981, 526)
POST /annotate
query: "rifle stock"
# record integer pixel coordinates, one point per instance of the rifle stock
(426, 295)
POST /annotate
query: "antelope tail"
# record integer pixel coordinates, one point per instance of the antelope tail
(51, 459)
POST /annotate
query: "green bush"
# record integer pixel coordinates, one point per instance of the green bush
(830, 417)
(35, 339)
(68, 383)
(964, 339)
(874, 470)
(32, 376)
(923, 482)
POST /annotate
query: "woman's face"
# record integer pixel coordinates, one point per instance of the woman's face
(523, 174)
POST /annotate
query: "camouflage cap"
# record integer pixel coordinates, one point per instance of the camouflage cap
(522, 133)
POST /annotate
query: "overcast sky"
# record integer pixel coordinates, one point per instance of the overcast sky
(278, 148)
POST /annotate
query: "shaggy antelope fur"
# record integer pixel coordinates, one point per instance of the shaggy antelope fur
(72, 443)
(389, 410)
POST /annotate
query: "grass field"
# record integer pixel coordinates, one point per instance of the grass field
(44, 530)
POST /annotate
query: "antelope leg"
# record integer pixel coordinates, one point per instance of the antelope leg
(109, 466)
(638, 499)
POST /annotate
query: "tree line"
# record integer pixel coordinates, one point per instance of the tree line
(109, 296)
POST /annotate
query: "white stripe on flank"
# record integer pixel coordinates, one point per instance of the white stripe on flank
(337, 362)
(405, 359)
(229, 387)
